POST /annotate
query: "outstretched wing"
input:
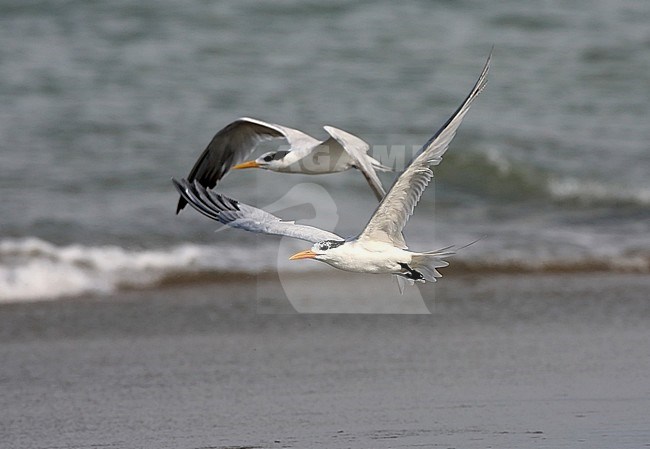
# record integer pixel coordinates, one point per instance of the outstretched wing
(393, 212)
(234, 144)
(357, 149)
(239, 215)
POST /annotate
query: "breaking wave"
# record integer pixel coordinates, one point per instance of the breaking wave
(33, 269)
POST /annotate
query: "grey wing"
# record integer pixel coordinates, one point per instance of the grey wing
(232, 145)
(391, 215)
(357, 149)
(232, 213)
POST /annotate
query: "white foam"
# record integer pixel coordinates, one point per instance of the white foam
(32, 268)
(591, 191)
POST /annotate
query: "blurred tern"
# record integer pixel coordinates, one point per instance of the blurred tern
(380, 247)
(233, 144)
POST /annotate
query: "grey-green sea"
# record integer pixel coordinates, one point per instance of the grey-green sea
(101, 103)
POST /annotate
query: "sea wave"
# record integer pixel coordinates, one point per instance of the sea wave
(34, 269)
(501, 178)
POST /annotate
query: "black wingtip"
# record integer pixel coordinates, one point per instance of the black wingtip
(234, 203)
(181, 201)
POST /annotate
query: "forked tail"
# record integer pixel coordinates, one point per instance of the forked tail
(427, 263)
(423, 267)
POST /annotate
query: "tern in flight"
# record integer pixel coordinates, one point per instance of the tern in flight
(232, 145)
(380, 247)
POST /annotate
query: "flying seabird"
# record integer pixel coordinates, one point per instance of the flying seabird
(232, 145)
(380, 247)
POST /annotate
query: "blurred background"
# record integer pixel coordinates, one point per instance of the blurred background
(101, 103)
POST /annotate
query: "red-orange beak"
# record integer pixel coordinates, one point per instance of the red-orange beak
(249, 164)
(308, 254)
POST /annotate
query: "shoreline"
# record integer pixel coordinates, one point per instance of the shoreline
(457, 272)
(256, 297)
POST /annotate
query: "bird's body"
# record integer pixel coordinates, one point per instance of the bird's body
(358, 254)
(320, 160)
(371, 256)
(380, 248)
(231, 145)
(368, 257)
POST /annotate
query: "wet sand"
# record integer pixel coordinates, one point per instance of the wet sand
(503, 361)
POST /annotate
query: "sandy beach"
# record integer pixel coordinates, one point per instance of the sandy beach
(503, 361)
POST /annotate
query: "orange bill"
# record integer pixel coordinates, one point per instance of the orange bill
(249, 164)
(308, 254)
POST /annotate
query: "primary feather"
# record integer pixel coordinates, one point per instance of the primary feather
(390, 217)
(235, 214)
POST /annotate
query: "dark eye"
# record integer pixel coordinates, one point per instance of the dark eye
(329, 244)
(268, 158)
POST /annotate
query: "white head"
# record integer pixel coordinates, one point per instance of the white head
(268, 161)
(319, 251)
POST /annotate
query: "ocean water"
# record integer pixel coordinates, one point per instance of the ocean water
(101, 103)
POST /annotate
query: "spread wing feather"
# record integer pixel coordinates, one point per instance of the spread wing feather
(235, 214)
(233, 144)
(393, 212)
